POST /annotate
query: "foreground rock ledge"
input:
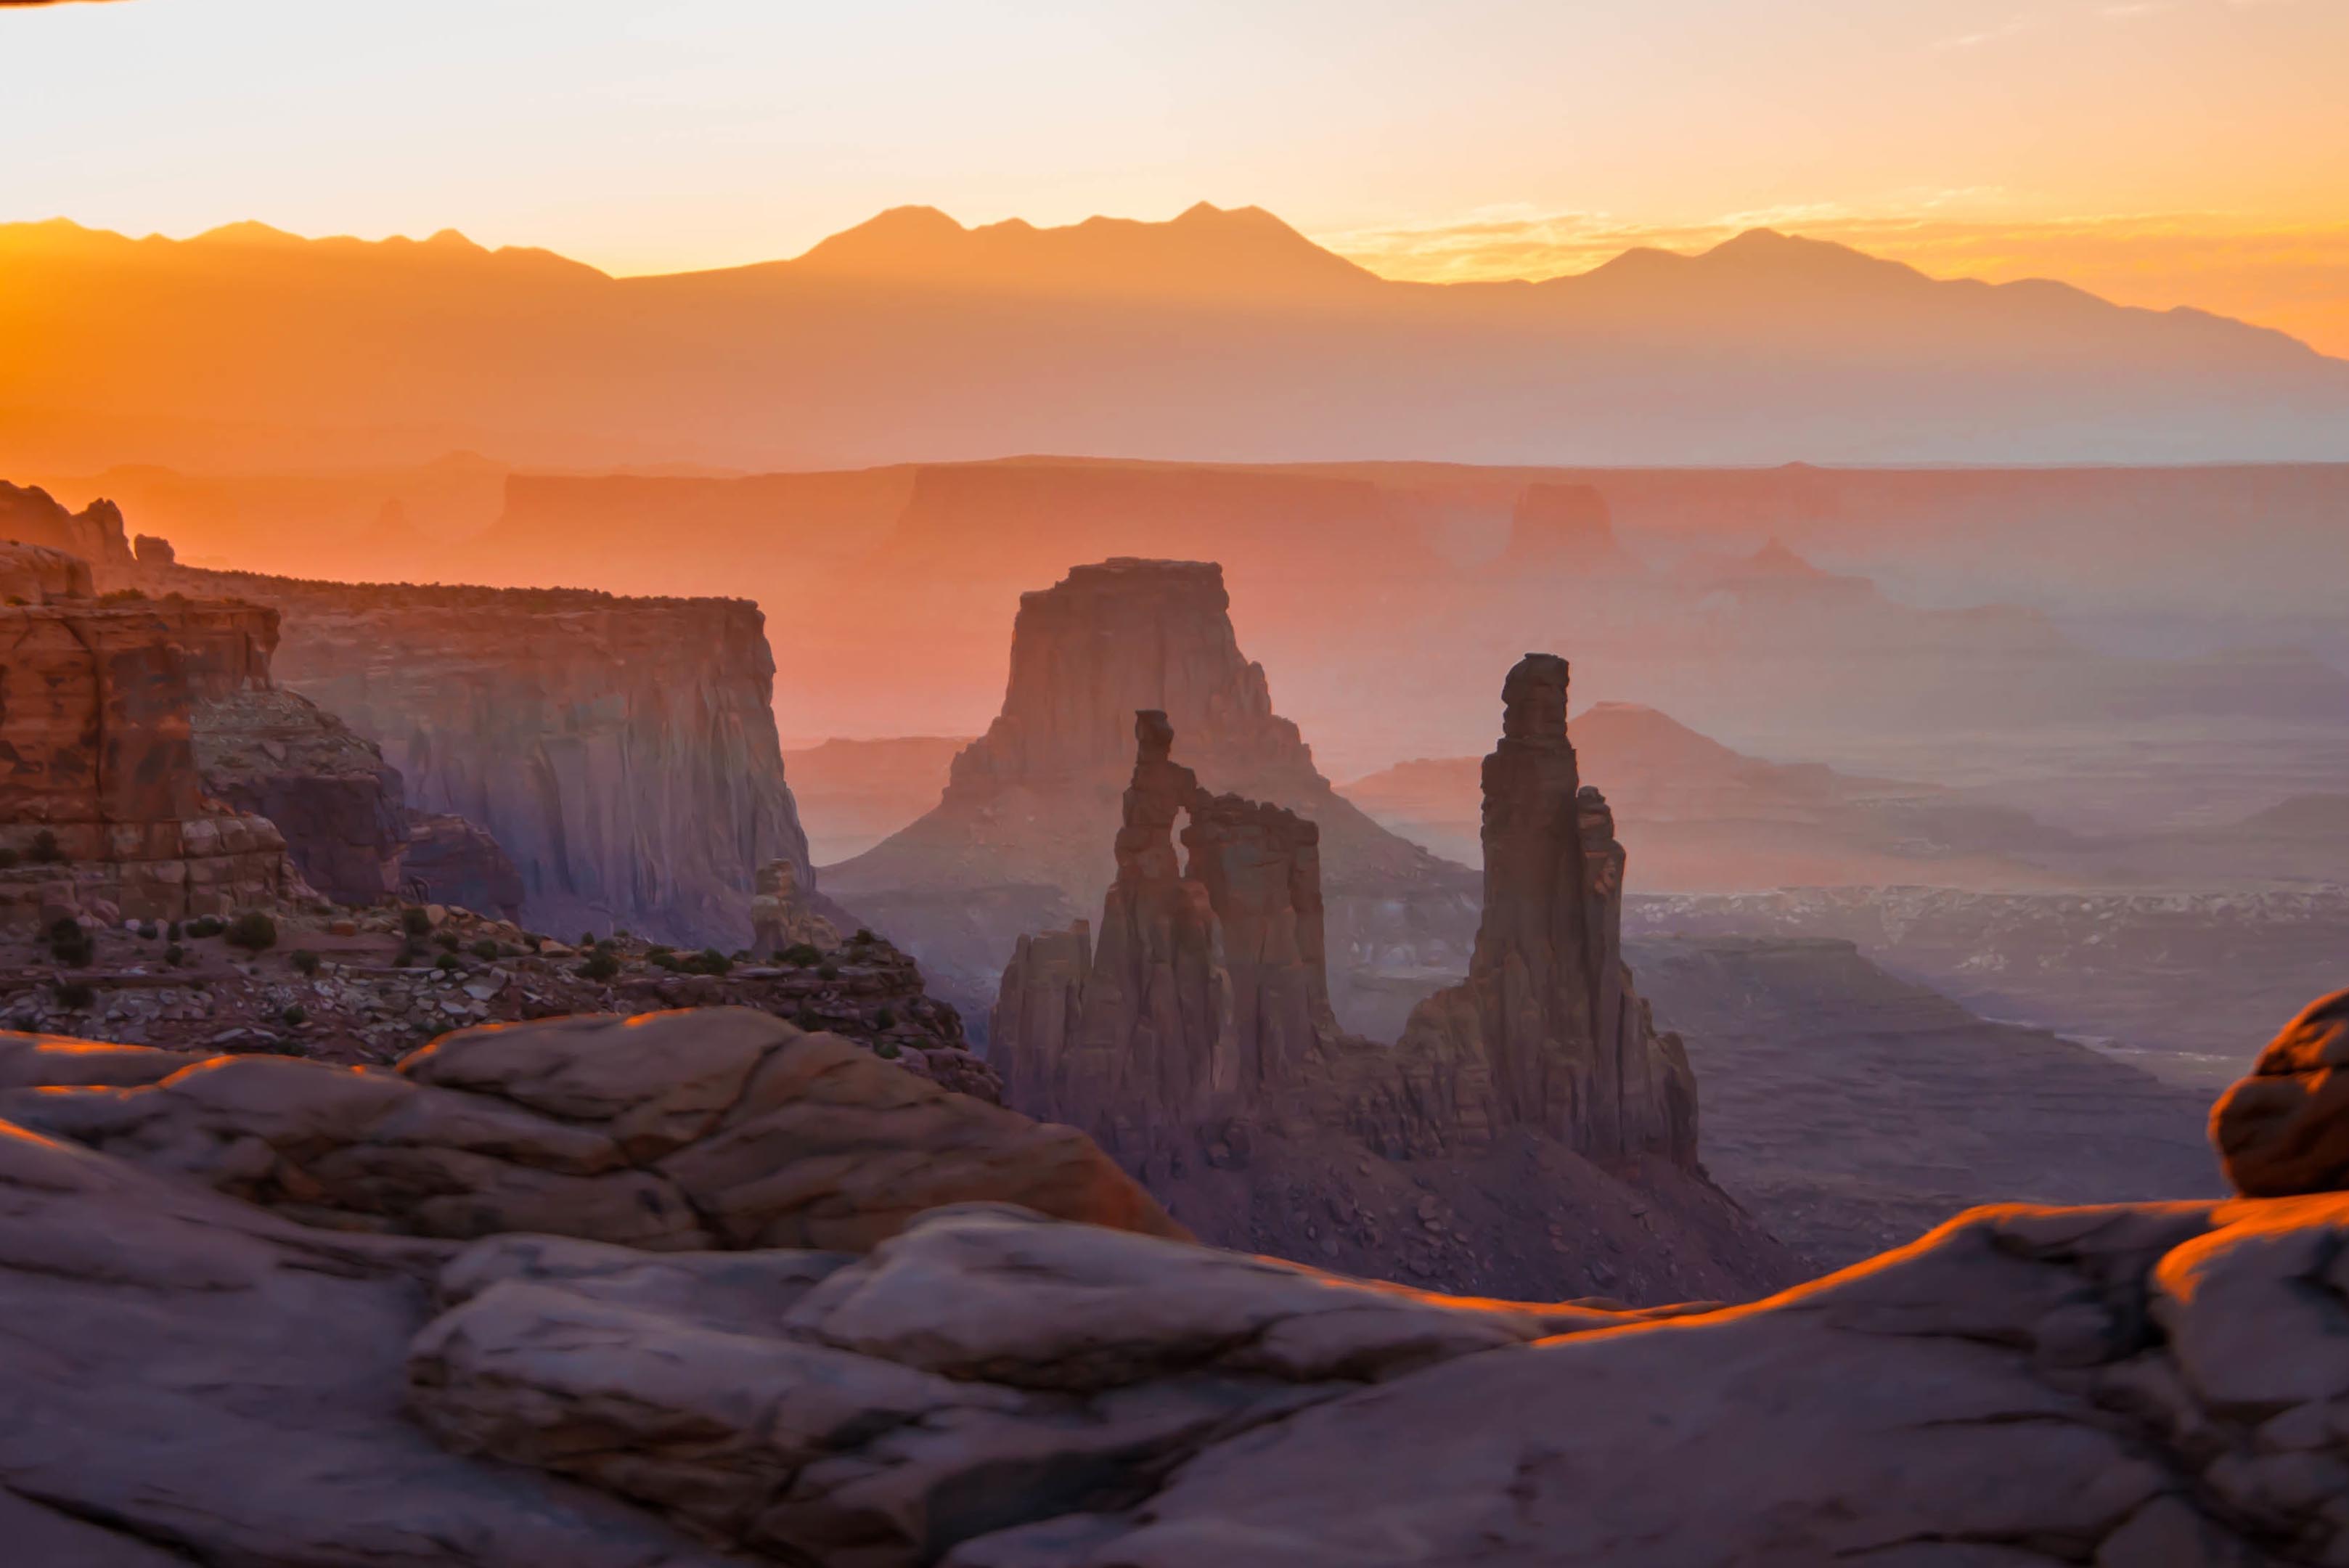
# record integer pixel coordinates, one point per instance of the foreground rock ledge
(721, 1127)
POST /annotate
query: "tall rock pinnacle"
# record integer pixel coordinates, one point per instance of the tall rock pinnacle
(1546, 1031)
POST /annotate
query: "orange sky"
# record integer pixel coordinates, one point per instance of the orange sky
(2159, 152)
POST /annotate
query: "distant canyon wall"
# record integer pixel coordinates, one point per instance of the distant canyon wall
(621, 752)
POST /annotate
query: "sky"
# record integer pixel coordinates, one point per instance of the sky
(2159, 152)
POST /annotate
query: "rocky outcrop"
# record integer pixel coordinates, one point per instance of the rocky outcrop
(1547, 1031)
(194, 1379)
(30, 516)
(35, 575)
(2285, 1129)
(103, 810)
(784, 918)
(448, 860)
(1020, 830)
(622, 751)
(339, 804)
(717, 1127)
(1194, 1037)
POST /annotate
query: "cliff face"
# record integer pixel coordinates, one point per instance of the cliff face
(1030, 805)
(622, 751)
(1194, 1042)
(102, 809)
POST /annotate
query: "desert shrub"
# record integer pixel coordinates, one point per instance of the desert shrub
(448, 942)
(172, 933)
(65, 928)
(446, 963)
(827, 972)
(294, 1015)
(586, 938)
(8, 859)
(864, 938)
(887, 1049)
(254, 932)
(148, 931)
(206, 926)
(485, 948)
(122, 596)
(800, 955)
(884, 1018)
(174, 954)
(600, 966)
(408, 955)
(45, 848)
(73, 996)
(415, 922)
(303, 959)
(806, 1018)
(75, 952)
(659, 949)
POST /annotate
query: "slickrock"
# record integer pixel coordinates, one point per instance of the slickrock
(1016, 843)
(621, 752)
(2283, 1130)
(1547, 1032)
(103, 811)
(713, 1127)
(1193, 1041)
(983, 1387)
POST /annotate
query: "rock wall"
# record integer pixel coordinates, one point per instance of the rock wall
(622, 751)
(450, 861)
(339, 804)
(35, 574)
(1029, 807)
(102, 808)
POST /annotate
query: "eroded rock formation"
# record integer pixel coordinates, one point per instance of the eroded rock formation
(339, 804)
(35, 574)
(94, 535)
(1016, 842)
(102, 808)
(621, 752)
(450, 861)
(1547, 1031)
(1193, 1035)
(782, 917)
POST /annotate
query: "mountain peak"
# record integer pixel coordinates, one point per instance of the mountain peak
(1205, 250)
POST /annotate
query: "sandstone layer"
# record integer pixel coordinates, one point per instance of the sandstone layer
(196, 1379)
(30, 516)
(621, 752)
(1017, 841)
(339, 804)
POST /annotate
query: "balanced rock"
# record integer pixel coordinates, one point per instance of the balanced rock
(2285, 1129)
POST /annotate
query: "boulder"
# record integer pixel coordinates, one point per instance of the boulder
(2285, 1128)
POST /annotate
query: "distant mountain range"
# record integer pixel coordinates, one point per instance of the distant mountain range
(1220, 334)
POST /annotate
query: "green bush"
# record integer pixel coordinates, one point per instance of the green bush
(446, 963)
(409, 953)
(827, 972)
(8, 859)
(659, 949)
(174, 954)
(807, 1019)
(600, 966)
(800, 955)
(303, 959)
(73, 996)
(887, 1049)
(586, 938)
(294, 1015)
(45, 848)
(884, 1018)
(448, 942)
(864, 938)
(206, 926)
(65, 928)
(485, 948)
(254, 932)
(414, 921)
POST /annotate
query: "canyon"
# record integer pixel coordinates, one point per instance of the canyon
(1017, 841)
